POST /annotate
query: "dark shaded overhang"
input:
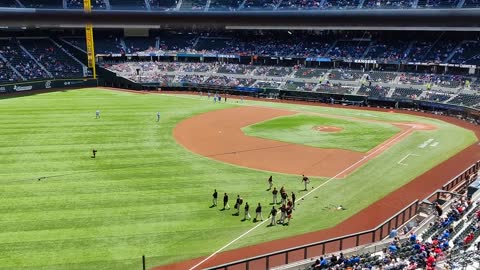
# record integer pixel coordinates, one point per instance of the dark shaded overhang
(414, 19)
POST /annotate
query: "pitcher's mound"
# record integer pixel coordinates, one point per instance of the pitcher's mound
(327, 129)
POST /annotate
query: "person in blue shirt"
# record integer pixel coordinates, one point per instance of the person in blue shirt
(446, 235)
(323, 261)
(413, 237)
(392, 248)
(393, 233)
(416, 246)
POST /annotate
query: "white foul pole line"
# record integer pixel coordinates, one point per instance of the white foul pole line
(305, 195)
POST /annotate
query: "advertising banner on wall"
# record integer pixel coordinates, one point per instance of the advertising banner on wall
(47, 84)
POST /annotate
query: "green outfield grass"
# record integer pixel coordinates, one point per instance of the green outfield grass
(299, 129)
(144, 193)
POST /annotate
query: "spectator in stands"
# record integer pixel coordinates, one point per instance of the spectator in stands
(392, 248)
(393, 233)
(413, 237)
(439, 209)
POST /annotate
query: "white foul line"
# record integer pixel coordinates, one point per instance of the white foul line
(305, 195)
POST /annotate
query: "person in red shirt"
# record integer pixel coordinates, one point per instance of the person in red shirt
(431, 260)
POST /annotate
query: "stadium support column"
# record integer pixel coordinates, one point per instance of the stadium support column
(87, 7)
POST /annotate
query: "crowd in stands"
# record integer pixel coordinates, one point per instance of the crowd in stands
(436, 96)
(345, 75)
(96, 4)
(261, 4)
(190, 79)
(454, 228)
(392, 51)
(340, 4)
(467, 53)
(334, 88)
(7, 74)
(410, 93)
(300, 4)
(372, 46)
(388, 4)
(376, 84)
(237, 4)
(466, 99)
(197, 67)
(270, 84)
(450, 81)
(373, 91)
(225, 4)
(21, 61)
(299, 86)
(163, 4)
(438, 3)
(273, 71)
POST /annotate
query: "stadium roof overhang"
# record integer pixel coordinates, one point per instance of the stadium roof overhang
(416, 19)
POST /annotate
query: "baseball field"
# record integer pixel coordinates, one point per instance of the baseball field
(149, 189)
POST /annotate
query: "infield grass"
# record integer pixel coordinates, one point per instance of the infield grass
(146, 195)
(300, 129)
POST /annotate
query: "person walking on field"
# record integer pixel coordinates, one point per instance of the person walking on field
(258, 212)
(275, 193)
(158, 116)
(283, 195)
(238, 204)
(272, 215)
(97, 114)
(305, 181)
(225, 202)
(215, 196)
(289, 215)
(283, 213)
(270, 183)
(247, 212)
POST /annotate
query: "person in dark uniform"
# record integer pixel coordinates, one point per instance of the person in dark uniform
(305, 181)
(215, 196)
(273, 213)
(270, 183)
(274, 194)
(94, 153)
(238, 204)
(258, 212)
(225, 202)
(247, 212)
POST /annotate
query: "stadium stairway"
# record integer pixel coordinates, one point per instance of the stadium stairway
(8, 66)
(36, 60)
(85, 69)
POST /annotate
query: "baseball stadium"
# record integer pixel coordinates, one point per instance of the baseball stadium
(239, 134)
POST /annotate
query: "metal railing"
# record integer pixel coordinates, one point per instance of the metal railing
(303, 252)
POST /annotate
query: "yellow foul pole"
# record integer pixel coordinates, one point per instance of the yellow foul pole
(87, 7)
